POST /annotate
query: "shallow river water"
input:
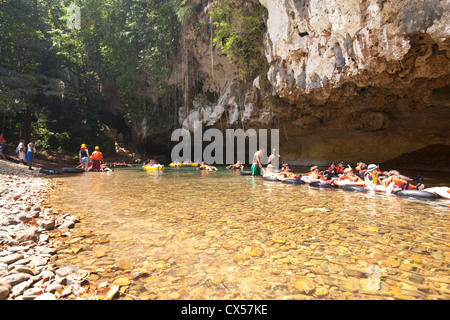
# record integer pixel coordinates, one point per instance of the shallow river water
(220, 235)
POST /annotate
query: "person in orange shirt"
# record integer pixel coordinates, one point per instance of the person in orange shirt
(287, 174)
(315, 176)
(394, 182)
(349, 178)
(340, 168)
(96, 158)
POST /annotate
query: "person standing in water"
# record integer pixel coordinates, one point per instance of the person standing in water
(257, 162)
(96, 157)
(84, 156)
(275, 160)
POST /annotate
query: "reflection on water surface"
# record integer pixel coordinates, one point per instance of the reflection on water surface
(220, 235)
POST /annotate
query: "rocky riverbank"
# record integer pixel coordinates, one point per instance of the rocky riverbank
(27, 245)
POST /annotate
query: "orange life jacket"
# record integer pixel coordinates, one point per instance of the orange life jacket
(288, 174)
(339, 169)
(352, 179)
(316, 176)
(97, 155)
(399, 182)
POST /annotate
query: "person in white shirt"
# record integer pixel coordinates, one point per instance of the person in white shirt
(20, 150)
(30, 153)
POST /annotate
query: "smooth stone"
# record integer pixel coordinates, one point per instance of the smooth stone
(47, 224)
(67, 225)
(27, 235)
(124, 281)
(23, 269)
(15, 278)
(416, 278)
(63, 272)
(26, 297)
(54, 287)
(256, 252)
(355, 273)
(4, 292)
(46, 296)
(11, 258)
(24, 217)
(20, 288)
(34, 291)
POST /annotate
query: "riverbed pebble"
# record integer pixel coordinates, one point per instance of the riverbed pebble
(328, 258)
(26, 249)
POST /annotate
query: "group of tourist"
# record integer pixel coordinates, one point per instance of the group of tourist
(367, 176)
(25, 153)
(91, 162)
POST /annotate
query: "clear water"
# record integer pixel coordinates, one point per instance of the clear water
(220, 235)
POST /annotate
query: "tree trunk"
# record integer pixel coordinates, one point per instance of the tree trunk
(26, 123)
(4, 118)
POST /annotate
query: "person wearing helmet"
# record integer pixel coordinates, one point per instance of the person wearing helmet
(83, 155)
(96, 157)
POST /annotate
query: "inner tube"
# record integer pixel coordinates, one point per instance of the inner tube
(175, 165)
(50, 171)
(154, 167)
(420, 194)
(270, 179)
(353, 188)
(246, 173)
(72, 170)
(293, 181)
(321, 185)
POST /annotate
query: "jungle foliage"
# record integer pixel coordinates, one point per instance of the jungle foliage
(58, 76)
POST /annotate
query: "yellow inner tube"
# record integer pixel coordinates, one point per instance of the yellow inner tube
(175, 165)
(148, 168)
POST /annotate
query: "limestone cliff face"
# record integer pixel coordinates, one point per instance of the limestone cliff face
(348, 80)
(365, 79)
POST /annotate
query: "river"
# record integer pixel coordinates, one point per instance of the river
(220, 235)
